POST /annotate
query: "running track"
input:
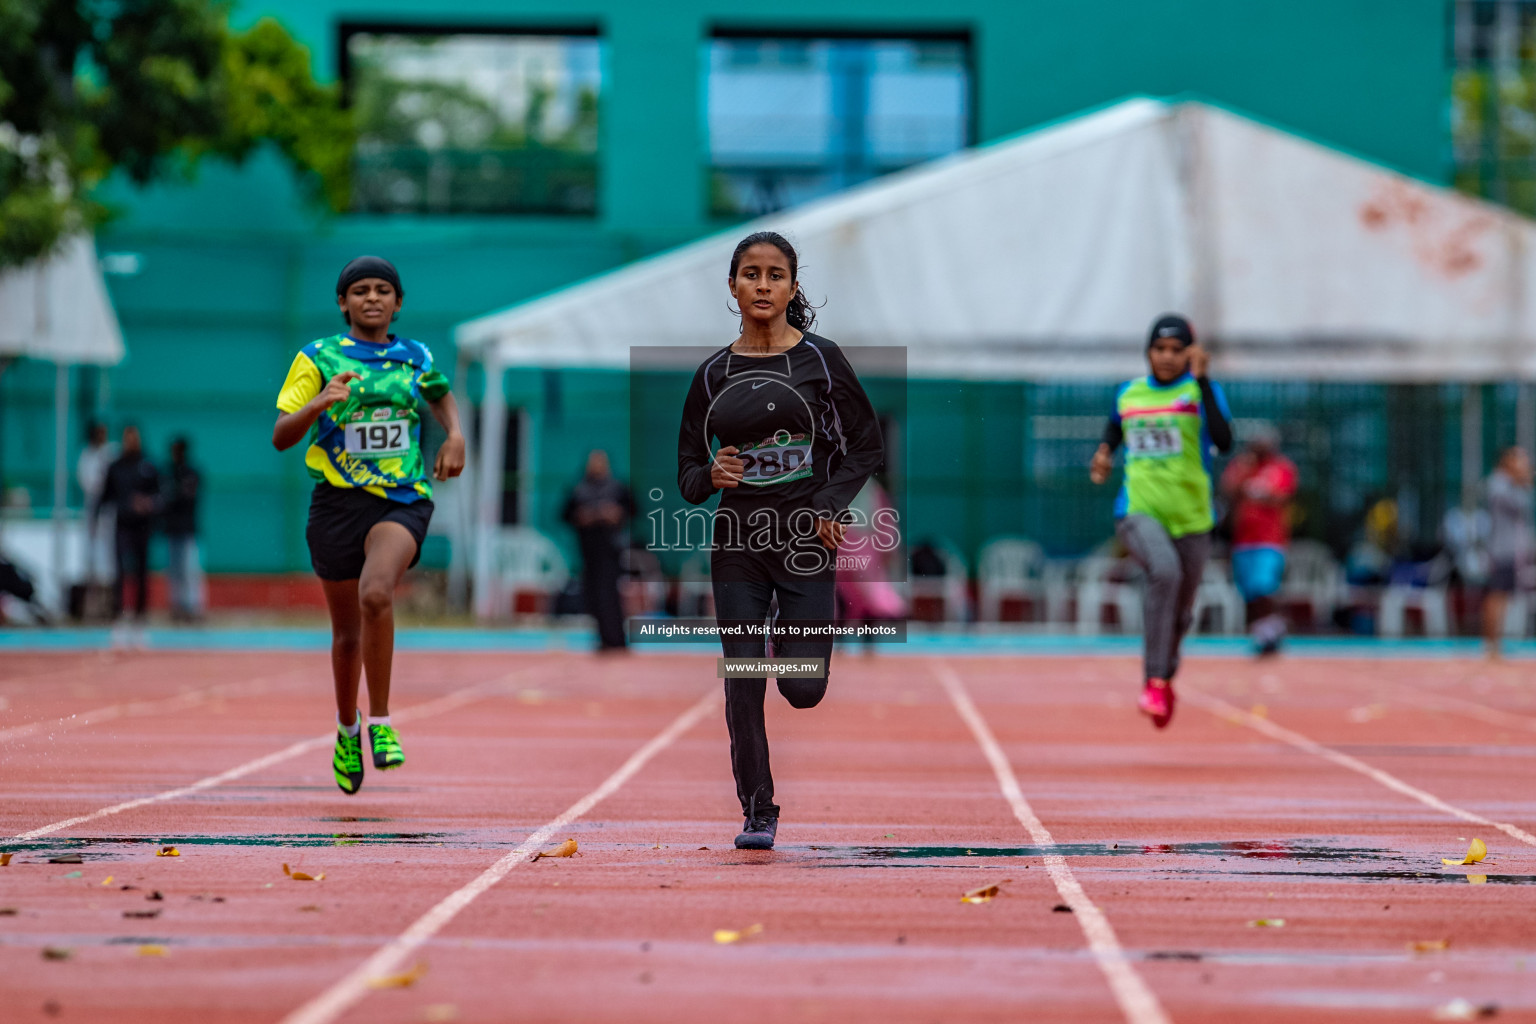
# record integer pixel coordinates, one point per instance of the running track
(1318, 791)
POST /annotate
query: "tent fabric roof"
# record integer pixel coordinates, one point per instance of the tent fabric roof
(1047, 255)
(58, 310)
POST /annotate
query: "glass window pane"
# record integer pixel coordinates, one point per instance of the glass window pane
(793, 119)
(475, 123)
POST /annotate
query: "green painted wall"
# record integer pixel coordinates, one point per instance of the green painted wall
(237, 273)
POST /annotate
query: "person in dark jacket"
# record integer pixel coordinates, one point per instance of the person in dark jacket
(185, 568)
(133, 486)
(599, 509)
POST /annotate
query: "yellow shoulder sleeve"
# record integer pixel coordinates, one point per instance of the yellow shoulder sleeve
(302, 385)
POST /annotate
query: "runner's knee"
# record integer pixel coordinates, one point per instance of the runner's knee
(803, 693)
(375, 599)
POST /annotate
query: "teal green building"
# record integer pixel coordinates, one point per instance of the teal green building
(567, 139)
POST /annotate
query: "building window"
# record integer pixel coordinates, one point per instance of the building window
(791, 119)
(473, 122)
(1493, 100)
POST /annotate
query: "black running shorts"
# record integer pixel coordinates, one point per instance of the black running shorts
(339, 521)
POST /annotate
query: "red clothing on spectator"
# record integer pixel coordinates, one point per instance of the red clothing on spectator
(1262, 490)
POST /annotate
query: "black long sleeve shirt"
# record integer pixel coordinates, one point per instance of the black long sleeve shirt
(800, 419)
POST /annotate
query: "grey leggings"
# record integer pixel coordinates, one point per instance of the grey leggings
(1174, 568)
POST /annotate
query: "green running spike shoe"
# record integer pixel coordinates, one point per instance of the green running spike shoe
(347, 762)
(386, 747)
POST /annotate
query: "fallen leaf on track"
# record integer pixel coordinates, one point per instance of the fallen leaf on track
(1462, 1009)
(57, 953)
(151, 950)
(1259, 711)
(141, 913)
(67, 858)
(310, 907)
(404, 979)
(983, 894)
(5, 859)
(565, 849)
(725, 936)
(1429, 945)
(1061, 908)
(1268, 922)
(1475, 853)
(75, 874)
(167, 851)
(301, 876)
(9, 911)
(107, 881)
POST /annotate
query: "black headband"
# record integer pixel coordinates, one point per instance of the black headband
(1171, 325)
(369, 266)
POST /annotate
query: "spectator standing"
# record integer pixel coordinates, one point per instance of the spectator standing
(133, 485)
(1260, 483)
(91, 472)
(185, 568)
(1510, 538)
(599, 509)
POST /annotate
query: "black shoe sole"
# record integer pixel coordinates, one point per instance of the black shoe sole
(746, 842)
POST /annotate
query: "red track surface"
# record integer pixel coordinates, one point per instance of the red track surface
(1181, 838)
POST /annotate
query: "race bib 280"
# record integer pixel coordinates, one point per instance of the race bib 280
(777, 459)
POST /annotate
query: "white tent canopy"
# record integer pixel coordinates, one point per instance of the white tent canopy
(1048, 254)
(57, 310)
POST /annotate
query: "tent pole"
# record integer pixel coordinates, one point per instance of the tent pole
(461, 528)
(1471, 443)
(60, 475)
(493, 439)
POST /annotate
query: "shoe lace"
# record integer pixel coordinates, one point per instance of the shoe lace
(755, 822)
(352, 752)
(385, 736)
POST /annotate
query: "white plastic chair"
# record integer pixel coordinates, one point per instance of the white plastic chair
(1216, 593)
(1010, 567)
(1101, 581)
(949, 590)
(695, 592)
(1315, 578)
(1430, 601)
(526, 561)
(643, 585)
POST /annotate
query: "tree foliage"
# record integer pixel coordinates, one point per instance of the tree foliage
(147, 88)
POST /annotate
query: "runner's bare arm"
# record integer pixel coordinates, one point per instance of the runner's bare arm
(292, 426)
(450, 456)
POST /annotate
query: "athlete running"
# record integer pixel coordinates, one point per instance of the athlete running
(798, 439)
(1169, 422)
(360, 392)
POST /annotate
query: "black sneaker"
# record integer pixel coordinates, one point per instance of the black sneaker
(757, 834)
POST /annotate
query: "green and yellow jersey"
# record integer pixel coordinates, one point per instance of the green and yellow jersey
(371, 441)
(1168, 452)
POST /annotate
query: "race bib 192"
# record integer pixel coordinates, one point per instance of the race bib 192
(1153, 442)
(379, 439)
(776, 460)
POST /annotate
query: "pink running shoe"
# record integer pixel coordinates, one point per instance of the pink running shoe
(1157, 702)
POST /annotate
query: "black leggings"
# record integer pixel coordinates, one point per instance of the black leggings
(132, 560)
(745, 584)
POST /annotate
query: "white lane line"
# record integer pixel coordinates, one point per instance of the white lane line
(1481, 712)
(1137, 1001)
(130, 709)
(1222, 709)
(447, 702)
(352, 987)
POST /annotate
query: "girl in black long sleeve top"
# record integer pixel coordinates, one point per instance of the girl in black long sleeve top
(798, 439)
